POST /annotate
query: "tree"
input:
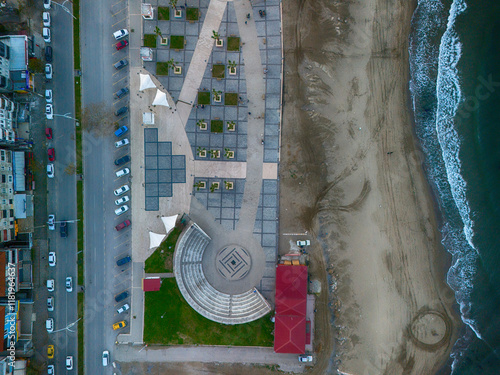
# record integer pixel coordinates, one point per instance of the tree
(213, 154)
(231, 125)
(173, 3)
(215, 35)
(199, 185)
(228, 153)
(217, 94)
(158, 32)
(231, 64)
(201, 150)
(201, 123)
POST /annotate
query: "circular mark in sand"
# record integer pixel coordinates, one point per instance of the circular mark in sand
(233, 262)
(430, 329)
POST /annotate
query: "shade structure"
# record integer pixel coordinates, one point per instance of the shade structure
(146, 82)
(161, 99)
(155, 239)
(169, 222)
(151, 284)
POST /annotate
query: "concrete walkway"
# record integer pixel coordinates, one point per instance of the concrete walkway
(165, 275)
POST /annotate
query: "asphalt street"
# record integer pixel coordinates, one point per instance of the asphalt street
(103, 244)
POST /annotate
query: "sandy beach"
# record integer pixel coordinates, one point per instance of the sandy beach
(351, 175)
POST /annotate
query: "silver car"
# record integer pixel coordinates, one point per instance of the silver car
(121, 190)
(121, 210)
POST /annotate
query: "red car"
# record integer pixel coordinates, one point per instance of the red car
(48, 133)
(52, 154)
(125, 224)
(122, 44)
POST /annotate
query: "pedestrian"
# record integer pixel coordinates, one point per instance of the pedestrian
(249, 113)
(390, 152)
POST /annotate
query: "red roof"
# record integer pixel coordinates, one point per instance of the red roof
(151, 284)
(291, 302)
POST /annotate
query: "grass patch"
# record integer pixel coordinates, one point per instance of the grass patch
(81, 341)
(216, 126)
(233, 43)
(162, 68)
(164, 13)
(218, 71)
(182, 325)
(162, 259)
(79, 214)
(177, 42)
(150, 40)
(192, 14)
(203, 97)
(76, 34)
(231, 98)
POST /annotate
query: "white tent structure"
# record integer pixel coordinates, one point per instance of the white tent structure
(146, 82)
(161, 99)
(155, 239)
(169, 222)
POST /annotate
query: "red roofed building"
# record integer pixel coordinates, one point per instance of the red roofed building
(151, 284)
(291, 302)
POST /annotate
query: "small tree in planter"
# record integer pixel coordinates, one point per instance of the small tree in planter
(231, 65)
(178, 12)
(231, 126)
(202, 124)
(229, 185)
(228, 153)
(218, 41)
(217, 95)
(214, 154)
(200, 185)
(214, 186)
(163, 41)
(201, 152)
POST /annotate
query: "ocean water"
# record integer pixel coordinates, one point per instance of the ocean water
(455, 87)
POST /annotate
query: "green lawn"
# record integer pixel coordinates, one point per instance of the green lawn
(216, 126)
(233, 43)
(204, 97)
(150, 40)
(192, 14)
(231, 98)
(177, 42)
(162, 68)
(182, 325)
(162, 259)
(218, 71)
(164, 13)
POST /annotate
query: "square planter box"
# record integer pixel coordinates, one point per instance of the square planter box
(177, 70)
(231, 127)
(202, 153)
(164, 41)
(178, 13)
(232, 71)
(229, 185)
(202, 125)
(219, 43)
(215, 155)
(214, 186)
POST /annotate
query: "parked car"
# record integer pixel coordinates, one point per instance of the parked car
(48, 54)
(305, 358)
(52, 259)
(121, 210)
(50, 304)
(121, 64)
(50, 351)
(121, 111)
(123, 308)
(69, 362)
(121, 190)
(121, 45)
(49, 325)
(121, 131)
(69, 284)
(122, 200)
(122, 160)
(48, 133)
(120, 324)
(48, 71)
(52, 222)
(122, 142)
(49, 111)
(50, 370)
(122, 172)
(46, 19)
(50, 285)
(50, 170)
(125, 224)
(121, 296)
(48, 96)
(303, 243)
(46, 34)
(123, 261)
(105, 358)
(120, 93)
(47, 3)
(120, 34)
(51, 153)
(64, 229)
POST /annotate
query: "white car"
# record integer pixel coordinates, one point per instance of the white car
(48, 71)
(122, 172)
(303, 243)
(305, 358)
(50, 304)
(122, 143)
(69, 362)
(120, 34)
(50, 370)
(123, 308)
(49, 324)
(46, 34)
(50, 170)
(48, 96)
(46, 19)
(47, 3)
(52, 259)
(121, 210)
(69, 284)
(105, 358)
(50, 285)
(121, 190)
(52, 222)
(49, 111)
(122, 200)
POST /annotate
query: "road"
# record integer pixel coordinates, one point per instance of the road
(103, 244)
(62, 188)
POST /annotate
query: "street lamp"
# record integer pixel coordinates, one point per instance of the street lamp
(65, 8)
(66, 115)
(68, 326)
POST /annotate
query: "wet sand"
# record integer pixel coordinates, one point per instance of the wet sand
(351, 174)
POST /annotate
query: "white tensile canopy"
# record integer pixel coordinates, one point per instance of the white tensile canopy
(169, 222)
(146, 82)
(161, 99)
(155, 239)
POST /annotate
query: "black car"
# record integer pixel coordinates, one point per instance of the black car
(48, 54)
(121, 64)
(121, 92)
(122, 160)
(121, 262)
(121, 111)
(64, 229)
(121, 296)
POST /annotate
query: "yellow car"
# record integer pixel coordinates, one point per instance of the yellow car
(50, 351)
(119, 325)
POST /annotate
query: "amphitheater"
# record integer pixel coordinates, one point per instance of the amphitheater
(218, 280)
